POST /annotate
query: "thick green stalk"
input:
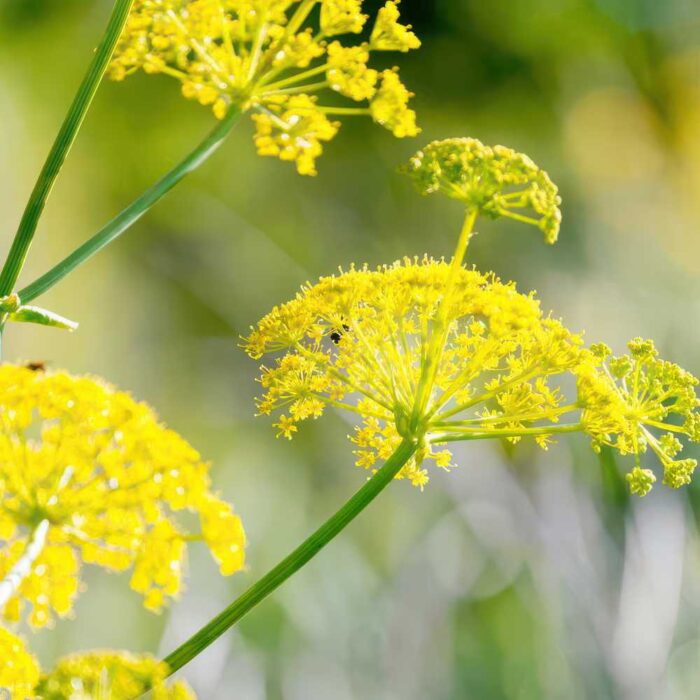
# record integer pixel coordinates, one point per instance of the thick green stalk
(134, 211)
(61, 147)
(292, 563)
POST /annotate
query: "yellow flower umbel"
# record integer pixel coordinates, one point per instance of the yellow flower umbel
(369, 340)
(273, 57)
(19, 670)
(638, 402)
(435, 353)
(87, 474)
(423, 348)
(110, 675)
(495, 181)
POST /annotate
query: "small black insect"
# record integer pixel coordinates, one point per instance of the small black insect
(36, 366)
(337, 334)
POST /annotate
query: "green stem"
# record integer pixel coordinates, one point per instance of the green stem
(295, 561)
(135, 210)
(61, 146)
(438, 439)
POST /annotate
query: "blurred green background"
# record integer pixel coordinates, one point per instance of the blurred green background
(521, 575)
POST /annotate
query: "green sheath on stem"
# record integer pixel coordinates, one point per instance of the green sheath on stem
(295, 561)
(61, 146)
(135, 210)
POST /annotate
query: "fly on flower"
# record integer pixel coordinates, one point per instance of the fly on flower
(274, 58)
(89, 475)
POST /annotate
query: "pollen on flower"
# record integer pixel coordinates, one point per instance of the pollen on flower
(494, 181)
(494, 361)
(107, 480)
(109, 674)
(638, 402)
(272, 57)
(19, 670)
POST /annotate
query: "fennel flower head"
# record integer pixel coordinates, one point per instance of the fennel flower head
(437, 352)
(113, 675)
(274, 58)
(90, 475)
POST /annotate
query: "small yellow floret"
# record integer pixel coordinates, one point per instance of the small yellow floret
(342, 17)
(293, 129)
(389, 106)
(640, 481)
(348, 73)
(389, 34)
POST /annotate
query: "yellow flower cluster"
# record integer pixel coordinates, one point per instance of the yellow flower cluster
(113, 675)
(494, 181)
(85, 676)
(433, 352)
(362, 341)
(637, 402)
(267, 56)
(87, 474)
(19, 670)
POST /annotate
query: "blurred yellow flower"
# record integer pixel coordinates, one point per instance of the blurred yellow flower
(109, 675)
(19, 670)
(266, 56)
(87, 474)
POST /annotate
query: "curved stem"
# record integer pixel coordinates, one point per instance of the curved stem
(61, 146)
(295, 561)
(23, 566)
(134, 211)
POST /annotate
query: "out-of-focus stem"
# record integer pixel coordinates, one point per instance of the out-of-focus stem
(61, 146)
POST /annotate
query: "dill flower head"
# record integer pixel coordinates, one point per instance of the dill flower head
(638, 402)
(416, 349)
(108, 674)
(273, 57)
(87, 474)
(19, 670)
(492, 180)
